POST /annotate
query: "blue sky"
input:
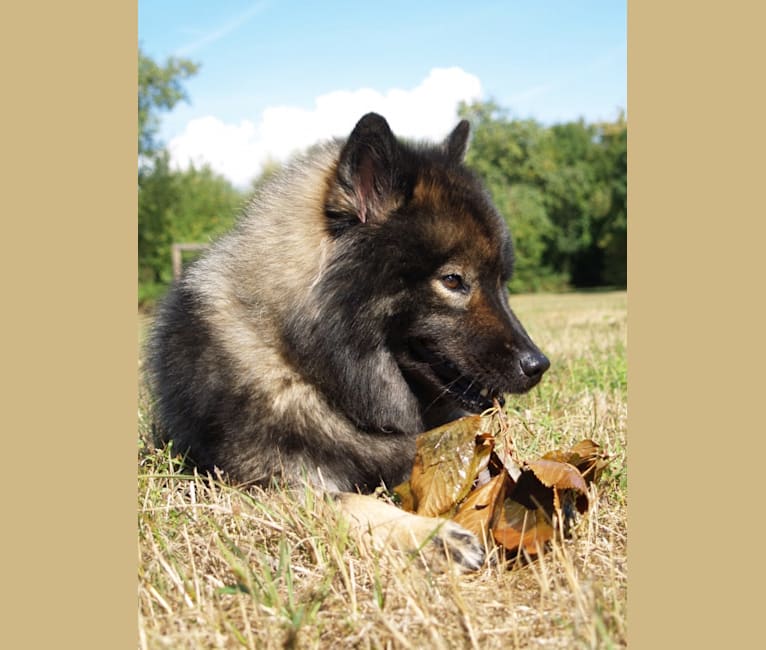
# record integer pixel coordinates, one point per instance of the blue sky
(277, 74)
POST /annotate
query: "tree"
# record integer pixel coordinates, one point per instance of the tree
(512, 157)
(156, 196)
(159, 89)
(614, 170)
(562, 190)
(523, 206)
(192, 205)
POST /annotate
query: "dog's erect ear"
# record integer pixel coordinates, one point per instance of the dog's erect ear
(456, 143)
(367, 169)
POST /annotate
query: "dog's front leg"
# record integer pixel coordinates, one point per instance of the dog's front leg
(385, 525)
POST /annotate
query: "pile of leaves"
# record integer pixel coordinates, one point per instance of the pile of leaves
(469, 471)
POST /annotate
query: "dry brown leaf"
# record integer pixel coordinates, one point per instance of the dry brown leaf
(562, 476)
(477, 512)
(547, 491)
(518, 526)
(403, 497)
(586, 456)
(447, 462)
(456, 473)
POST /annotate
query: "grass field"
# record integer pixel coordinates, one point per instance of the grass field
(218, 568)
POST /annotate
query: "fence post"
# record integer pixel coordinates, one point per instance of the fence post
(175, 252)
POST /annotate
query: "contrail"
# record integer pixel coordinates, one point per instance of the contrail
(219, 33)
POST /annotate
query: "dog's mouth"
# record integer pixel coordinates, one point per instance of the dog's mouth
(461, 387)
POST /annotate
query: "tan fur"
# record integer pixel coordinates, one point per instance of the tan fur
(380, 525)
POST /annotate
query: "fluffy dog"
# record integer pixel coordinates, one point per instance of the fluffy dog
(360, 300)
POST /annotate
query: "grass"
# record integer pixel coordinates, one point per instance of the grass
(220, 568)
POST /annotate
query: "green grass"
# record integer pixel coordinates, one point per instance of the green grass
(222, 568)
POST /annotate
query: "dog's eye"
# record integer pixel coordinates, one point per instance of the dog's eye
(453, 282)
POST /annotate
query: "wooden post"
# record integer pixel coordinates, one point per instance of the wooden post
(175, 253)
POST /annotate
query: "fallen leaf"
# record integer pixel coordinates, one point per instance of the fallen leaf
(518, 526)
(586, 456)
(477, 512)
(447, 462)
(457, 473)
(562, 476)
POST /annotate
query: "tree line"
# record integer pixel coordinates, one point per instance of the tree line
(562, 188)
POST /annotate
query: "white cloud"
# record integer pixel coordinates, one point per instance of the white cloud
(428, 111)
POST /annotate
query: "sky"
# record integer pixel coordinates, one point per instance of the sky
(278, 75)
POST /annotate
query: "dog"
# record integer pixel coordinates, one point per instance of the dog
(359, 300)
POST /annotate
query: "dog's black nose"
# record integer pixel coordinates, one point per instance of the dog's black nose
(534, 364)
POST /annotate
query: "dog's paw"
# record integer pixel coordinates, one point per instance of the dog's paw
(436, 541)
(461, 545)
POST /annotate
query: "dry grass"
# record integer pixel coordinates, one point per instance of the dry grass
(222, 568)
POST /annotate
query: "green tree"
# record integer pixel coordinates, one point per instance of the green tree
(206, 205)
(192, 205)
(157, 194)
(512, 157)
(523, 206)
(613, 169)
(562, 189)
(160, 88)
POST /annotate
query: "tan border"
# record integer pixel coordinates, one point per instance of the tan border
(69, 353)
(695, 242)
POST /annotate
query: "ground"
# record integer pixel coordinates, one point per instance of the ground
(222, 568)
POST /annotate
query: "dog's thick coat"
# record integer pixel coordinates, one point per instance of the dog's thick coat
(359, 301)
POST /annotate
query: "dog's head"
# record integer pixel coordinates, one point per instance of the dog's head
(421, 261)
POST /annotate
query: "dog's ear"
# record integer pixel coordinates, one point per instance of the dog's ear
(456, 143)
(367, 169)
